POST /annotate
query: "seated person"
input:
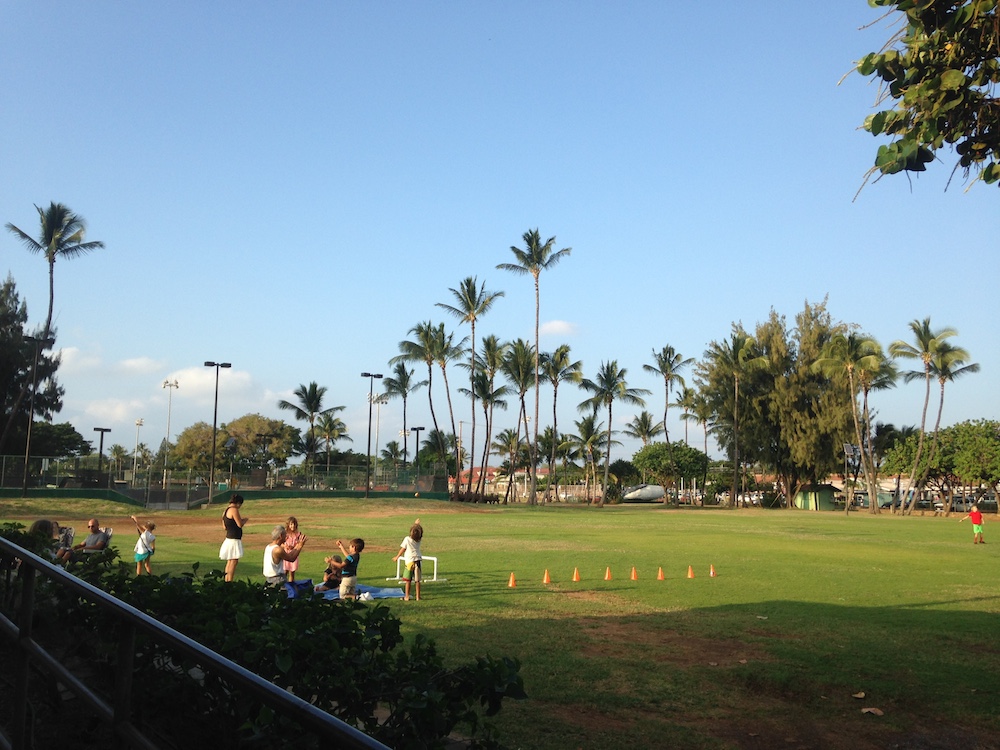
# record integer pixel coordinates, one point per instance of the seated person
(332, 575)
(95, 542)
(275, 554)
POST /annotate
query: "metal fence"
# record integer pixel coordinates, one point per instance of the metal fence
(18, 589)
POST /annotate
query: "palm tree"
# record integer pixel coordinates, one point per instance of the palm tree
(517, 368)
(846, 354)
(61, 235)
(588, 443)
(532, 260)
(422, 350)
(392, 453)
(309, 407)
(558, 368)
(331, 429)
(506, 444)
(685, 401)
(472, 302)
(642, 427)
(926, 343)
(735, 358)
(610, 386)
(668, 364)
(445, 351)
(947, 365)
(490, 398)
(401, 384)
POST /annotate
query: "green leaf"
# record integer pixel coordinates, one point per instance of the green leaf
(951, 80)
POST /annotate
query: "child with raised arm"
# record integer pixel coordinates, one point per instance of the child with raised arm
(331, 576)
(976, 516)
(349, 567)
(409, 550)
(145, 546)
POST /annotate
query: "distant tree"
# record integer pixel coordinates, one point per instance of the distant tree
(17, 370)
(472, 301)
(421, 349)
(926, 342)
(610, 386)
(940, 70)
(58, 441)
(259, 441)
(194, 446)
(309, 408)
(534, 258)
(331, 429)
(656, 461)
(558, 367)
(642, 427)
(400, 383)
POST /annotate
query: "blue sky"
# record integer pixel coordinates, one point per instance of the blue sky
(291, 187)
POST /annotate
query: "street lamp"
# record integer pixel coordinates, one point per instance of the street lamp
(39, 344)
(371, 399)
(135, 455)
(215, 421)
(170, 385)
(100, 451)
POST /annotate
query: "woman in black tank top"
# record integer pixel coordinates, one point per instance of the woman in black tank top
(232, 548)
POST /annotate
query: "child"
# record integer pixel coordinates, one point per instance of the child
(331, 576)
(976, 517)
(349, 567)
(292, 537)
(409, 550)
(145, 546)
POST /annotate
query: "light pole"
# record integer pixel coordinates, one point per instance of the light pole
(416, 451)
(382, 398)
(100, 451)
(371, 399)
(39, 343)
(215, 422)
(135, 455)
(405, 434)
(170, 385)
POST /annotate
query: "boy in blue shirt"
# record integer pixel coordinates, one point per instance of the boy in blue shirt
(349, 567)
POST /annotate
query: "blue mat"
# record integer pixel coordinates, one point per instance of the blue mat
(300, 588)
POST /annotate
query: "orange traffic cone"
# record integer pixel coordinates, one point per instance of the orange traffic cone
(635, 576)
(690, 572)
(576, 575)
(659, 575)
(607, 575)
(546, 579)
(512, 584)
(711, 571)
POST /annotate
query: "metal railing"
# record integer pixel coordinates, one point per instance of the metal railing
(117, 713)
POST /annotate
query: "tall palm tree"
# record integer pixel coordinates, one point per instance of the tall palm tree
(642, 427)
(472, 301)
(421, 349)
(588, 442)
(401, 383)
(331, 429)
(736, 358)
(558, 368)
(446, 351)
(610, 386)
(531, 261)
(947, 365)
(925, 343)
(490, 398)
(847, 354)
(506, 444)
(309, 407)
(517, 369)
(61, 234)
(668, 364)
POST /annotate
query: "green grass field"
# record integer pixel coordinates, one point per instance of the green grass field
(807, 611)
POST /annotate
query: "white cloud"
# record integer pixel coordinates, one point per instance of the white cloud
(557, 328)
(75, 362)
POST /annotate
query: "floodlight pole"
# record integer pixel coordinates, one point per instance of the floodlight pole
(371, 396)
(215, 421)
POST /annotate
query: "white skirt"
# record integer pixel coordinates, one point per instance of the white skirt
(231, 549)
